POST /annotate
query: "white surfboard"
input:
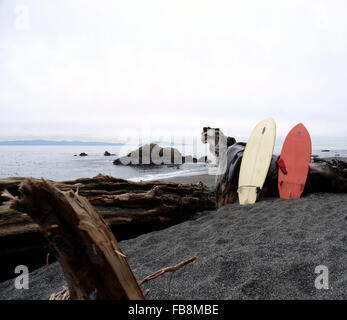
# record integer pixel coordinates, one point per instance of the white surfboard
(256, 160)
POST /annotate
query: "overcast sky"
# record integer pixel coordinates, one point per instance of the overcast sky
(110, 69)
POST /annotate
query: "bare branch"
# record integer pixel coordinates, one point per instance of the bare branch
(167, 269)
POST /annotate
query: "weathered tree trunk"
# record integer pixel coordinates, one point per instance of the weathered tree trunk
(92, 261)
(120, 202)
(129, 208)
(321, 178)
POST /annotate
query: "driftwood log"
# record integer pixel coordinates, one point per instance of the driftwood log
(322, 177)
(93, 264)
(129, 208)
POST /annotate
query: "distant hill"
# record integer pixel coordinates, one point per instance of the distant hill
(56, 143)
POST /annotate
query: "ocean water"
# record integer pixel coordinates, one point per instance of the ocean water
(59, 163)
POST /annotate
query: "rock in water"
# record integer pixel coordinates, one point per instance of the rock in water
(151, 154)
(189, 159)
(203, 159)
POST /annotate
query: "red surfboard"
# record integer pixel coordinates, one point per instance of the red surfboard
(294, 163)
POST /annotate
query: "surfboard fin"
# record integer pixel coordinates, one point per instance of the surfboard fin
(281, 164)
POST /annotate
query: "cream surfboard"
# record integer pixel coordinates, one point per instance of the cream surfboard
(256, 160)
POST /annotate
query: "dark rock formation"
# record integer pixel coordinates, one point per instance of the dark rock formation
(203, 159)
(107, 154)
(189, 159)
(83, 154)
(153, 154)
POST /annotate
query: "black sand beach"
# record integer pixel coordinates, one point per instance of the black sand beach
(264, 251)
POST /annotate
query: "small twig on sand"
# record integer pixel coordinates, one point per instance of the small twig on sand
(167, 269)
